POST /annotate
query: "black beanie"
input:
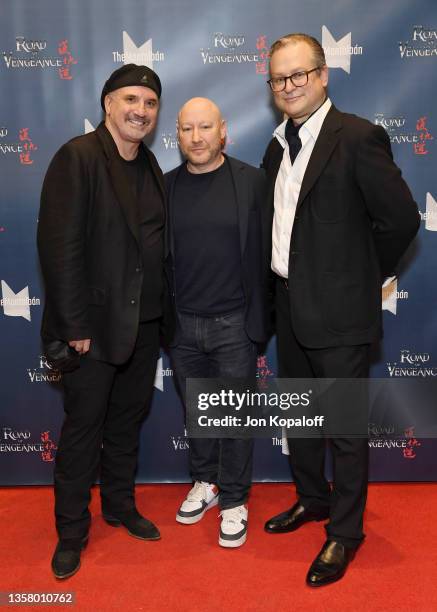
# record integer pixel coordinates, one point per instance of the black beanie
(131, 75)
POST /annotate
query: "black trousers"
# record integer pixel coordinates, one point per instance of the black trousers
(104, 407)
(346, 501)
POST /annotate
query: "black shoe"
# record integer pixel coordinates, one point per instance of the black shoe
(330, 564)
(292, 519)
(137, 525)
(66, 560)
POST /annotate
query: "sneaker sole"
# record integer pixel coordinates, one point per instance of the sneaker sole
(233, 543)
(191, 520)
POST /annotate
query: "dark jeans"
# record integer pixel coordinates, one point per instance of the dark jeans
(347, 500)
(104, 408)
(213, 347)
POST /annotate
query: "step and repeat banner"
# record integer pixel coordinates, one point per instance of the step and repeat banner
(54, 58)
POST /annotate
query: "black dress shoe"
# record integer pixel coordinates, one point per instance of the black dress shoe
(66, 560)
(330, 564)
(137, 525)
(292, 519)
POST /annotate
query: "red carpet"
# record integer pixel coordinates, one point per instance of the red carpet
(396, 568)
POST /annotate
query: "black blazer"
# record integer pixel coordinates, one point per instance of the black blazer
(88, 242)
(249, 185)
(355, 217)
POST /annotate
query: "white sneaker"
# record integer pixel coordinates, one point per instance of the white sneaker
(233, 529)
(200, 498)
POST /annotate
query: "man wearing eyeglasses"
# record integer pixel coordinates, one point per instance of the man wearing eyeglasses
(341, 217)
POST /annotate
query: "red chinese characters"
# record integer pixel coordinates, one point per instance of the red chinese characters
(412, 443)
(67, 60)
(49, 446)
(424, 136)
(27, 147)
(263, 55)
(263, 371)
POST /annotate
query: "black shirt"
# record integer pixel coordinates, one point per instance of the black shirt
(151, 218)
(207, 243)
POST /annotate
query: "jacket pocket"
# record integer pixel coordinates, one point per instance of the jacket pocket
(349, 304)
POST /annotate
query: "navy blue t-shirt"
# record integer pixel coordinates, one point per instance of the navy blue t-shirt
(207, 243)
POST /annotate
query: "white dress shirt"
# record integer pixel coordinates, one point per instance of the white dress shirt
(288, 184)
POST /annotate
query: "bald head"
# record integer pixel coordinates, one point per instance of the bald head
(199, 106)
(201, 135)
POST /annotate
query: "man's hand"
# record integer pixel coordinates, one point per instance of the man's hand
(81, 346)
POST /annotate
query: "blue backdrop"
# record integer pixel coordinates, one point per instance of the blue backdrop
(54, 58)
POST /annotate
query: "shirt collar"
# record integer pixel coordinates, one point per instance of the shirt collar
(311, 127)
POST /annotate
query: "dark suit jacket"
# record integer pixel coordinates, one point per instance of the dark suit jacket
(88, 241)
(355, 217)
(249, 186)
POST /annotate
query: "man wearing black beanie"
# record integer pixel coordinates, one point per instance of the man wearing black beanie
(100, 241)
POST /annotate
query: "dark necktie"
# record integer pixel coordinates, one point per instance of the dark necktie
(292, 137)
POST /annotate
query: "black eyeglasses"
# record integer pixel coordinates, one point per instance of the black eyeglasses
(299, 79)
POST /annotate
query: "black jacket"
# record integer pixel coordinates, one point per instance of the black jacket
(355, 217)
(88, 242)
(249, 186)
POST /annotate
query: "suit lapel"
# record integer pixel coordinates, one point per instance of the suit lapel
(239, 179)
(158, 177)
(119, 180)
(125, 196)
(325, 144)
(274, 162)
(271, 163)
